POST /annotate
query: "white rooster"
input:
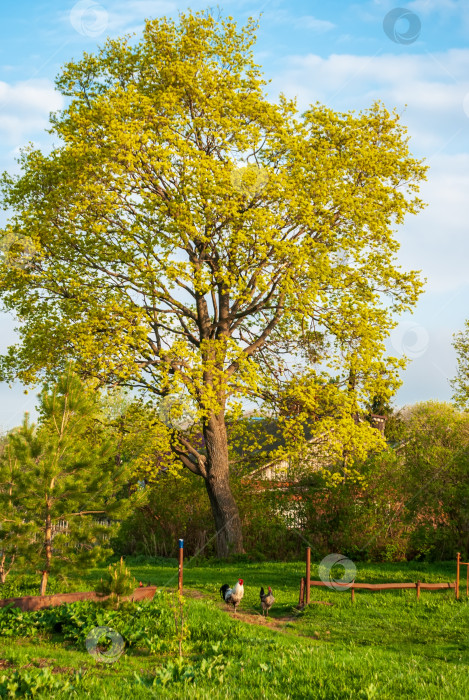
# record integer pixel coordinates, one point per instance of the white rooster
(233, 595)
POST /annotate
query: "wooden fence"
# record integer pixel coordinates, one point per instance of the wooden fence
(418, 586)
(306, 583)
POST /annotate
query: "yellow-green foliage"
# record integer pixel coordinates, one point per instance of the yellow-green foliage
(461, 381)
(189, 233)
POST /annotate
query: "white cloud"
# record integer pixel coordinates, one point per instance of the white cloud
(428, 6)
(308, 22)
(436, 240)
(429, 376)
(429, 92)
(134, 12)
(14, 403)
(25, 108)
(98, 19)
(316, 25)
(429, 88)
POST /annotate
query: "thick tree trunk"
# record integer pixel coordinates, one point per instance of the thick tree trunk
(217, 482)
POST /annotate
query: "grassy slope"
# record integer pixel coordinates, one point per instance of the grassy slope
(385, 646)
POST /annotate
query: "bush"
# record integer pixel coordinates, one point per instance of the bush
(119, 582)
(32, 682)
(175, 507)
(148, 624)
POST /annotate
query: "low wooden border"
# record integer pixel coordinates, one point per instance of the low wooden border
(38, 602)
(306, 583)
(384, 586)
(417, 586)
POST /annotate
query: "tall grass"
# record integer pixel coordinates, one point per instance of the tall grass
(387, 645)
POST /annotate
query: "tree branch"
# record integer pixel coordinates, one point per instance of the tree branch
(261, 339)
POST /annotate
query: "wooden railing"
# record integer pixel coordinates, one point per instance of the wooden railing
(306, 583)
(418, 586)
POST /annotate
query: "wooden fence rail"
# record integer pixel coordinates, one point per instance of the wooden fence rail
(306, 583)
(418, 586)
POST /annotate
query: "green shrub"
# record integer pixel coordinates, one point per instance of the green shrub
(36, 682)
(118, 582)
(149, 623)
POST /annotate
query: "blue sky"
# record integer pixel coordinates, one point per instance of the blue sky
(344, 54)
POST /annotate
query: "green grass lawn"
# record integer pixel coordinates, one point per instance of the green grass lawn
(386, 645)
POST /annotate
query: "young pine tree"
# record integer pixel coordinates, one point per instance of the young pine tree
(63, 480)
(118, 582)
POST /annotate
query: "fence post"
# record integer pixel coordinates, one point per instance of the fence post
(417, 585)
(458, 560)
(181, 564)
(352, 590)
(308, 574)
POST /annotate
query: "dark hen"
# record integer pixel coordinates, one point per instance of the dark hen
(267, 600)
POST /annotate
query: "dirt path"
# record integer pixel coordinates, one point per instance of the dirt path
(250, 616)
(277, 623)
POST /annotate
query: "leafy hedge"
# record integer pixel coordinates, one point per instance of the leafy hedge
(148, 624)
(37, 683)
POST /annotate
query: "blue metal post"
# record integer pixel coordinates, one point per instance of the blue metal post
(181, 563)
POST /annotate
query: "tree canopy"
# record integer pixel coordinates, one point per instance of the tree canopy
(191, 235)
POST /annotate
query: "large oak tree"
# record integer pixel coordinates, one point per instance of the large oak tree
(186, 233)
